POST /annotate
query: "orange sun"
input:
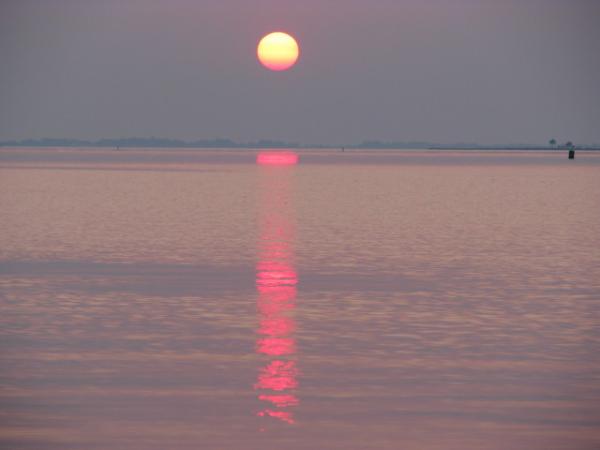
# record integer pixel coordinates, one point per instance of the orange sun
(278, 51)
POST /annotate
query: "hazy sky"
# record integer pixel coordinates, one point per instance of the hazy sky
(491, 71)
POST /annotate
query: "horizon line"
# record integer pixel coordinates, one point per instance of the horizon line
(156, 142)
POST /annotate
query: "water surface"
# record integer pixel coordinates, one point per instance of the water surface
(158, 299)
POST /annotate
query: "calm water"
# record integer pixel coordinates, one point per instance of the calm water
(386, 300)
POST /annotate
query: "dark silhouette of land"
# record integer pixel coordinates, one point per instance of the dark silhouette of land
(151, 142)
(154, 142)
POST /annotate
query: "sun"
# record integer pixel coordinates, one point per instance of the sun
(278, 51)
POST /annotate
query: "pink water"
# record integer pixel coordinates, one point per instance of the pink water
(165, 299)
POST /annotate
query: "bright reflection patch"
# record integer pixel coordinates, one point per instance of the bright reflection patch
(277, 158)
(276, 280)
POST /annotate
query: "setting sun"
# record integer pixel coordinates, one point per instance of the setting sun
(278, 51)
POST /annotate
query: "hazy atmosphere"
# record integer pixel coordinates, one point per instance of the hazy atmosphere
(299, 225)
(509, 71)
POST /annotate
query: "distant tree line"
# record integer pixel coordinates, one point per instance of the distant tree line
(154, 142)
(151, 142)
(567, 145)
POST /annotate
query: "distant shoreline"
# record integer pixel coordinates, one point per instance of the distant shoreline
(294, 148)
(219, 143)
(535, 149)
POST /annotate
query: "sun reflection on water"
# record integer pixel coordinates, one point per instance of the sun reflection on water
(276, 281)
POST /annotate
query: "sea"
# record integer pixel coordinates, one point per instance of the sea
(228, 299)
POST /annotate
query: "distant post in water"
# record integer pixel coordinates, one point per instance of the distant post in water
(571, 148)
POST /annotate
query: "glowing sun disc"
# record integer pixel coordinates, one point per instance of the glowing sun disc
(278, 51)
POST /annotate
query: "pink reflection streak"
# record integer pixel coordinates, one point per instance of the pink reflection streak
(278, 376)
(280, 401)
(281, 415)
(277, 326)
(277, 346)
(277, 158)
(276, 281)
